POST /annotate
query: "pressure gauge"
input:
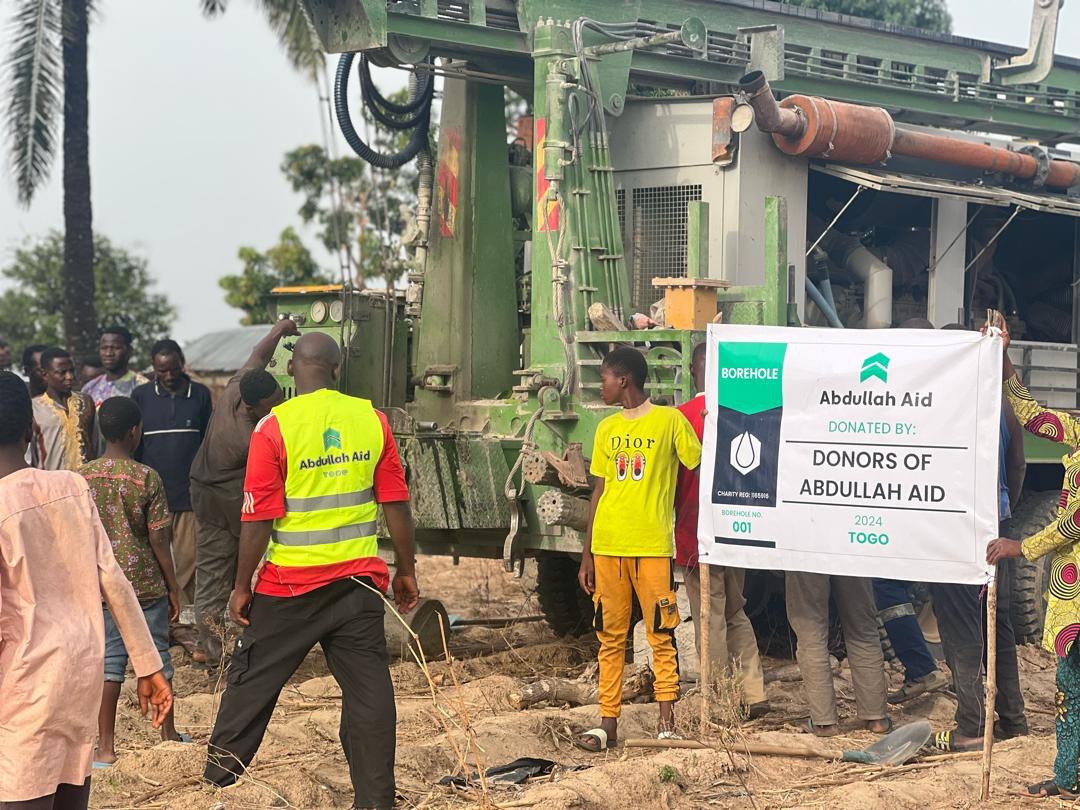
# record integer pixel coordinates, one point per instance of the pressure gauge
(318, 311)
(337, 311)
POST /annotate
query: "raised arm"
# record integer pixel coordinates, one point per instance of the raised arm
(264, 349)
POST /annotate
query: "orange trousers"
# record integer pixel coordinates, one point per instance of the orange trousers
(618, 579)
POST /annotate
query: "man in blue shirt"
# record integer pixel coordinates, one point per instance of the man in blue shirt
(176, 412)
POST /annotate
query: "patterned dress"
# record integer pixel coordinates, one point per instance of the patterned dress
(1061, 539)
(1061, 536)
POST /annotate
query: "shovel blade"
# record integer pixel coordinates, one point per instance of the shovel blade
(896, 747)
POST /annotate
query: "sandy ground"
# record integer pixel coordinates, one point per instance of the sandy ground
(301, 764)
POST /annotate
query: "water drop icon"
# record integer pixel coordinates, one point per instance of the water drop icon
(745, 452)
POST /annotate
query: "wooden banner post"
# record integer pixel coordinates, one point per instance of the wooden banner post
(704, 660)
(991, 684)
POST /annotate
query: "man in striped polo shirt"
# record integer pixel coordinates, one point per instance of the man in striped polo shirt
(176, 412)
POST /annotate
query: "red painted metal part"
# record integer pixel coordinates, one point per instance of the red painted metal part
(722, 135)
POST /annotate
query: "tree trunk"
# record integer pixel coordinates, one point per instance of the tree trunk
(576, 693)
(80, 316)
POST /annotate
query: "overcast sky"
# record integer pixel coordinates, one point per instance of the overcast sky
(190, 118)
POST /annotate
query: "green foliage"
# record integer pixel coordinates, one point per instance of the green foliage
(352, 206)
(286, 264)
(30, 308)
(34, 86)
(668, 775)
(359, 214)
(931, 15)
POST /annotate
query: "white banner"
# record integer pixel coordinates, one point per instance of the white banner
(856, 452)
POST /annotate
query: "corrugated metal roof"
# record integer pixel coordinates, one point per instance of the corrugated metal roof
(223, 351)
(985, 194)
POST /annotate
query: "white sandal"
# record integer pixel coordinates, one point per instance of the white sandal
(599, 735)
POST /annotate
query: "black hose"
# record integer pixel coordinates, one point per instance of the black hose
(427, 81)
(417, 142)
(373, 101)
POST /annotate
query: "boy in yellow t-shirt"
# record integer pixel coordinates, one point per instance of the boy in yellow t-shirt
(629, 544)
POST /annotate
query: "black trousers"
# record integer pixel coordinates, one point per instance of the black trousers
(66, 797)
(347, 620)
(961, 620)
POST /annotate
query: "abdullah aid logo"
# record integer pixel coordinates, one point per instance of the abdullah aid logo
(875, 366)
(331, 439)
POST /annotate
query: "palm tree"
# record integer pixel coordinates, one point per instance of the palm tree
(48, 57)
(289, 21)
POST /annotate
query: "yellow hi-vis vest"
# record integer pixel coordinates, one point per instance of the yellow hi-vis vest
(332, 444)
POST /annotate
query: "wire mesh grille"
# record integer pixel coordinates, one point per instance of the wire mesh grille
(658, 238)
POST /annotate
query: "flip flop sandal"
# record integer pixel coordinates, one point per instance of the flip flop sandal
(100, 766)
(943, 741)
(820, 731)
(601, 741)
(1047, 790)
(670, 734)
(888, 726)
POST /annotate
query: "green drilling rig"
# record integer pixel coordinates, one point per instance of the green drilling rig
(677, 161)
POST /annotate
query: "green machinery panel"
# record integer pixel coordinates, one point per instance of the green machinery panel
(369, 327)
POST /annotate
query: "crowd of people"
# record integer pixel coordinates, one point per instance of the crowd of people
(643, 526)
(128, 501)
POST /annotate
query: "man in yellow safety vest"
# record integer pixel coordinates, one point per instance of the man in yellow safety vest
(319, 466)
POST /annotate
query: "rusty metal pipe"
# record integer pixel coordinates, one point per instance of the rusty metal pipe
(1063, 174)
(812, 127)
(943, 149)
(768, 115)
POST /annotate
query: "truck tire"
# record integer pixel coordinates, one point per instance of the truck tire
(568, 609)
(1028, 609)
(918, 595)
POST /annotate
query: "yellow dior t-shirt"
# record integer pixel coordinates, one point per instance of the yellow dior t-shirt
(638, 453)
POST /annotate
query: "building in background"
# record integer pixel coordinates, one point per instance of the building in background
(216, 356)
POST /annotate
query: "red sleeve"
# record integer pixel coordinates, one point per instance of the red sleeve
(694, 411)
(389, 483)
(264, 483)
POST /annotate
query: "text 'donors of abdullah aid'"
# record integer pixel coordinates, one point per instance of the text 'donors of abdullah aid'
(862, 453)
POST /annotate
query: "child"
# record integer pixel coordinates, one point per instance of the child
(56, 565)
(630, 540)
(130, 498)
